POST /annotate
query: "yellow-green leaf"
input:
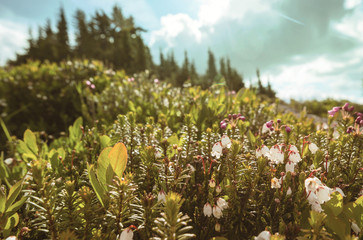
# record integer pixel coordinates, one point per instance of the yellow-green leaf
(118, 159)
(31, 141)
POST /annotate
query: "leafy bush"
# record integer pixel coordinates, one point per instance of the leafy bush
(167, 163)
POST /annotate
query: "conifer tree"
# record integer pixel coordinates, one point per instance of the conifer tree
(63, 49)
(211, 70)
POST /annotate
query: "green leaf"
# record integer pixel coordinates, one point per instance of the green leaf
(3, 171)
(103, 166)
(15, 207)
(13, 193)
(118, 159)
(358, 211)
(2, 202)
(173, 140)
(251, 138)
(335, 204)
(12, 222)
(31, 141)
(75, 132)
(104, 140)
(337, 226)
(97, 187)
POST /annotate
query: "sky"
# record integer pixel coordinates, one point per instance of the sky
(306, 49)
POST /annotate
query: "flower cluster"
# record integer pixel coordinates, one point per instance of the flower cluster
(217, 149)
(271, 126)
(232, 120)
(217, 209)
(318, 193)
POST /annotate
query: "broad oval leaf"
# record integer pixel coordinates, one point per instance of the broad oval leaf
(118, 159)
(31, 141)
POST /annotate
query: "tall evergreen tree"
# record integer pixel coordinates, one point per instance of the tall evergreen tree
(63, 49)
(83, 38)
(184, 72)
(211, 70)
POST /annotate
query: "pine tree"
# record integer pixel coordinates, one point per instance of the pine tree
(211, 70)
(141, 56)
(184, 72)
(63, 49)
(83, 38)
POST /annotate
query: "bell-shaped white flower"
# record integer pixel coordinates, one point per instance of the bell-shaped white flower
(276, 155)
(218, 189)
(217, 212)
(275, 183)
(289, 191)
(290, 167)
(293, 148)
(313, 148)
(264, 235)
(222, 203)
(217, 150)
(355, 228)
(127, 234)
(212, 183)
(217, 227)
(294, 157)
(264, 151)
(336, 189)
(315, 206)
(157, 154)
(312, 198)
(11, 238)
(266, 129)
(226, 142)
(311, 184)
(323, 194)
(326, 165)
(207, 210)
(161, 196)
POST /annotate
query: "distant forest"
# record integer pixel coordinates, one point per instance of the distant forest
(117, 41)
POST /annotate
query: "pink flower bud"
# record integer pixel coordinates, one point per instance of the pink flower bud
(346, 107)
(287, 129)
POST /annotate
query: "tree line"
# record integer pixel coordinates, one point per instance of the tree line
(117, 41)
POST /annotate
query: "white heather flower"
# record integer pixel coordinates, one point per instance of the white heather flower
(336, 134)
(11, 238)
(326, 166)
(218, 189)
(212, 183)
(323, 194)
(127, 234)
(276, 155)
(222, 203)
(217, 212)
(161, 196)
(311, 184)
(265, 129)
(217, 227)
(355, 228)
(9, 161)
(289, 191)
(294, 157)
(226, 142)
(336, 189)
(217, 150)
(157, 154)
(313, 148)
(265, 235)
(207, 210)
(293, 148)
(275, 183)
(315, 206)
(312, 198)
(263, 151)
(290, 167)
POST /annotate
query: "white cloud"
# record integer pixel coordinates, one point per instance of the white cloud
(15, 40)
(310, 49)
